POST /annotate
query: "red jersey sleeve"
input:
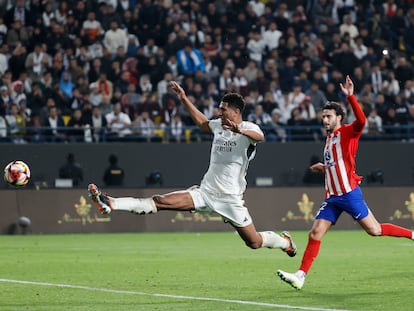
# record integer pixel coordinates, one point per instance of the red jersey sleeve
(360, 119)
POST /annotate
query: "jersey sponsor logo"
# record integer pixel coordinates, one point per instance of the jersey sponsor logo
(224, 145)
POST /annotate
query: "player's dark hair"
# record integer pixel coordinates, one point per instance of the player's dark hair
(336, 107)
(234, 100)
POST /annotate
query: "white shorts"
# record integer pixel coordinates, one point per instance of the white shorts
(229, 206)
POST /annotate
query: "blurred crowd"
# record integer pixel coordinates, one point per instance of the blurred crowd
(91, 71)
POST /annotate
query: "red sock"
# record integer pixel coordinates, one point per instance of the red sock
(311, 251)
(393, 230)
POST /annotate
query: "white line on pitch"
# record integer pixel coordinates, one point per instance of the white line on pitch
(115, 291)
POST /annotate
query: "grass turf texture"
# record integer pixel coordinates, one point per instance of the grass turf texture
(354, 272)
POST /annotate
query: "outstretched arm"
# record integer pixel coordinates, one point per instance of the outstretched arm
(348, 90)
(199, 119)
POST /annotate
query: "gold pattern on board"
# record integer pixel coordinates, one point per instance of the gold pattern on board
(305, 206)
(83, 211)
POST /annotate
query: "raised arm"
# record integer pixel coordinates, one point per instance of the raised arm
(198, 117)
(348, 90)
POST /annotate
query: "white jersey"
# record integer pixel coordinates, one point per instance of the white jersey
(230, 156)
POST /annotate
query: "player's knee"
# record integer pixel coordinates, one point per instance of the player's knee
(314, 234)
(160, 200)
(375, 231)
(253, 244)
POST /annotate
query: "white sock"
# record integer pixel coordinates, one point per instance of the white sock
(273, 240)
(135, 205)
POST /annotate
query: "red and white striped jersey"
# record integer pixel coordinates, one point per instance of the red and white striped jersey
(339, 154)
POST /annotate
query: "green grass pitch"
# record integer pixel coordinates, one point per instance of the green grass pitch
(201, 271)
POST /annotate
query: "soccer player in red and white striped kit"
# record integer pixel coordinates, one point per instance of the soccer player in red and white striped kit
(343, 193)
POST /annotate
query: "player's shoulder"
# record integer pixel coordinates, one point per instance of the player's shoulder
(214, 122)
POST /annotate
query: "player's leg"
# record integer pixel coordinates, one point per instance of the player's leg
(232, 209)
(374, 228)
(269, 239)
(355, 205)
(327, 215)
(179, 200)
(297, 279)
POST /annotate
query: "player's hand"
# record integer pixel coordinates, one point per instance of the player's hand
(230, 125)
(177, 88)
(348, 87)
(317, 167)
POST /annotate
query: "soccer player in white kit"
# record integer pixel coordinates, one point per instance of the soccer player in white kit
(222, 187)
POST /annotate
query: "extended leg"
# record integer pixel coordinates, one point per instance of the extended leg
(179, 200)
(374, 228)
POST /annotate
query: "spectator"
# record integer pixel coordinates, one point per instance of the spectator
(105, 86)
(307, 109)
(18, 93)
(18, 12)
(4, 64)
(256, 47)
(240, 82)
(55, 126)
(296, 96)
(114, 174)
(347, 27)
(3, 128)
(16, 124)
(272, 36)
(66, 85)
(260, 117)
(318, 97)
(118, 123)
(176, 131)
(144, 126)
(403, 71)
(5, 100)
(76, 124)
(288, 73)
(98, 124)
(71, 170)
(377, 79)
(190, 60)
(331, 93)
(114, 38)
(275, 130)
(373, 127)
(34, 130)
(359, 48)
(345, 61)
(225, 81)
(17, 60)
(37, 63)
(48, 14)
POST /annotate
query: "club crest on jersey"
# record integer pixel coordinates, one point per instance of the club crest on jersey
(334, 139)
(327, 156)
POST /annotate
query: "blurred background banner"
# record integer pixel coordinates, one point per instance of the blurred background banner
(183, 165)
(282, 208)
